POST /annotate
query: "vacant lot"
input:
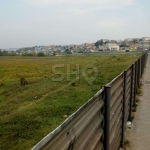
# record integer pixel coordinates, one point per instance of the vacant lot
(30, 112)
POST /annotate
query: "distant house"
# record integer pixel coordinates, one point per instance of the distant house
(113, 41)
(145, 38)
(101, 48)
(112, 47)
(143, 45)
(131, 40)
(133, 46)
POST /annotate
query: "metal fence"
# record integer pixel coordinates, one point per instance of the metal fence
(100, 123)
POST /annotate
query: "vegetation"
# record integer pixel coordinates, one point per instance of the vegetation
(98, 43)
(6, 53)
(139, 91)
(25, 49)
(127, 143)
(67, 51)
(30, 112)
(28, 54)
(40, 54)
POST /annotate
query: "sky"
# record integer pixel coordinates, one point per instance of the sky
(25, 23)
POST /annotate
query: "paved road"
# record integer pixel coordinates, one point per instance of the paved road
(139, 134)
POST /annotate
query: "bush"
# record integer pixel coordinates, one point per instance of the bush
(40, 54)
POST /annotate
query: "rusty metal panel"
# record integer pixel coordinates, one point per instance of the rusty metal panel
(87, 132)
(129, 80)
(115, 117)
(128, 93)
(117, 139)
(116, 83)
(127, 114)
(118, 93)
(99, 146)
(95, 140)
(128, 68)
(115, 107)
(115, 127)
(78, 129)
(129, 72)
(116, 143)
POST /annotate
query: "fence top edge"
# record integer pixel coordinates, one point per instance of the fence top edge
(110, 83)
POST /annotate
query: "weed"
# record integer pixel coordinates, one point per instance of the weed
(139, 91)
(137, 100)
(127, 143)
(73, 84)
(134, 109)
(132, 118)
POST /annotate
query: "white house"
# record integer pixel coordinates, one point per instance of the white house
(143, 45)
(112, 47)
(146, 38)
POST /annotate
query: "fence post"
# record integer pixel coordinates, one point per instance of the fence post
(142, 66)
(124, 108)
(107, 117)
(131, 94)
(138, 73)
(135, 84)
(145, 58)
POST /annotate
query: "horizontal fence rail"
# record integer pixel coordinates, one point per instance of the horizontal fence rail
(100, 123)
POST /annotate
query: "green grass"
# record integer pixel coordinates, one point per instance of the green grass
(29, 113)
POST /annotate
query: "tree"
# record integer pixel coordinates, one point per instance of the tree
(0, 52)
(40, 54)
(28, 54)
(3, 53)
(67, 51)
(98, 43)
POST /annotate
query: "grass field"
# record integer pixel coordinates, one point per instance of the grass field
(28, 113)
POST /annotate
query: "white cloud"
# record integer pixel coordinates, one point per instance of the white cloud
(80, 4)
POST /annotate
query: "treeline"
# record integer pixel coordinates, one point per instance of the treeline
(25, 49)
(6, 53)
(40, 54)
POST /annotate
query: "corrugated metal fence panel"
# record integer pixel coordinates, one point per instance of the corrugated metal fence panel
(116, 111)
(133, 84)
(128, 93)
(82, 130)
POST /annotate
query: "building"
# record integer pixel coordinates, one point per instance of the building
(102, 48)
(145, 38)
(133, 46)
(143, 45)
(112, 47)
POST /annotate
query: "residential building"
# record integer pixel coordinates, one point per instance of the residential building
(143, 45)
(112, 47)
(145, 38)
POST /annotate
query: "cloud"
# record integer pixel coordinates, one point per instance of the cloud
(80, 4)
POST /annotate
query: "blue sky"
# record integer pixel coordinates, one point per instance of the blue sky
(45, 22)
